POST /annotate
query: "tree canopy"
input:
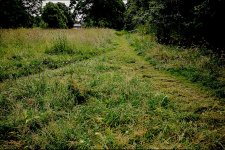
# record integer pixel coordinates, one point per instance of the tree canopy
(100, 13)
(18, 13)
(184, 22)
(67, 13)
(57, 15)
(137, 13)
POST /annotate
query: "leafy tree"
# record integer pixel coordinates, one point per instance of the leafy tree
(18, 13)
(100, 13)
(183, 22)
(54, 16)
(137, 13)
(33, 7)
(192, 21)
(67, 13)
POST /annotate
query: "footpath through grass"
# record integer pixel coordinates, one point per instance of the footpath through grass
(112, 100)
(197, 65)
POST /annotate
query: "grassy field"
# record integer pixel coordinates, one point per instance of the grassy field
(196, 65)
(25, 52)
(101, 89)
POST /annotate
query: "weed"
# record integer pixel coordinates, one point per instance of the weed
(60, 46)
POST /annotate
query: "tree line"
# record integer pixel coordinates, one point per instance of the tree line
(18, 13)
(182, 22)
(29, 13)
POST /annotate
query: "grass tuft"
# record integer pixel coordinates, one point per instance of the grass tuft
(60, 46)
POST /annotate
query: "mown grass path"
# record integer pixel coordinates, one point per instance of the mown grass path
(188, 97)
(113, 100)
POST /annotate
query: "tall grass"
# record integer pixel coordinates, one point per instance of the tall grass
(29, 51)
(105, 102)
(193, 63)
(61, 46)
(54, 113)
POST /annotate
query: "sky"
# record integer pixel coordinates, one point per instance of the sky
(67, 2)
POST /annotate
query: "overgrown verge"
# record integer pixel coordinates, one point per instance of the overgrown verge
(192, 63)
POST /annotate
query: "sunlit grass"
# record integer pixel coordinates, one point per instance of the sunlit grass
(24, 52)
(191, 63)
(112, 100)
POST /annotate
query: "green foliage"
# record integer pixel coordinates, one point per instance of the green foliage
(100, 13)
(57, 16)
(18, 13)
(182, 22)
(67, 13)
(54, 16)
(137, 13)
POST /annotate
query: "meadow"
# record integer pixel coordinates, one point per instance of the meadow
(198, 65)
(104, 89)
(25, 52)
